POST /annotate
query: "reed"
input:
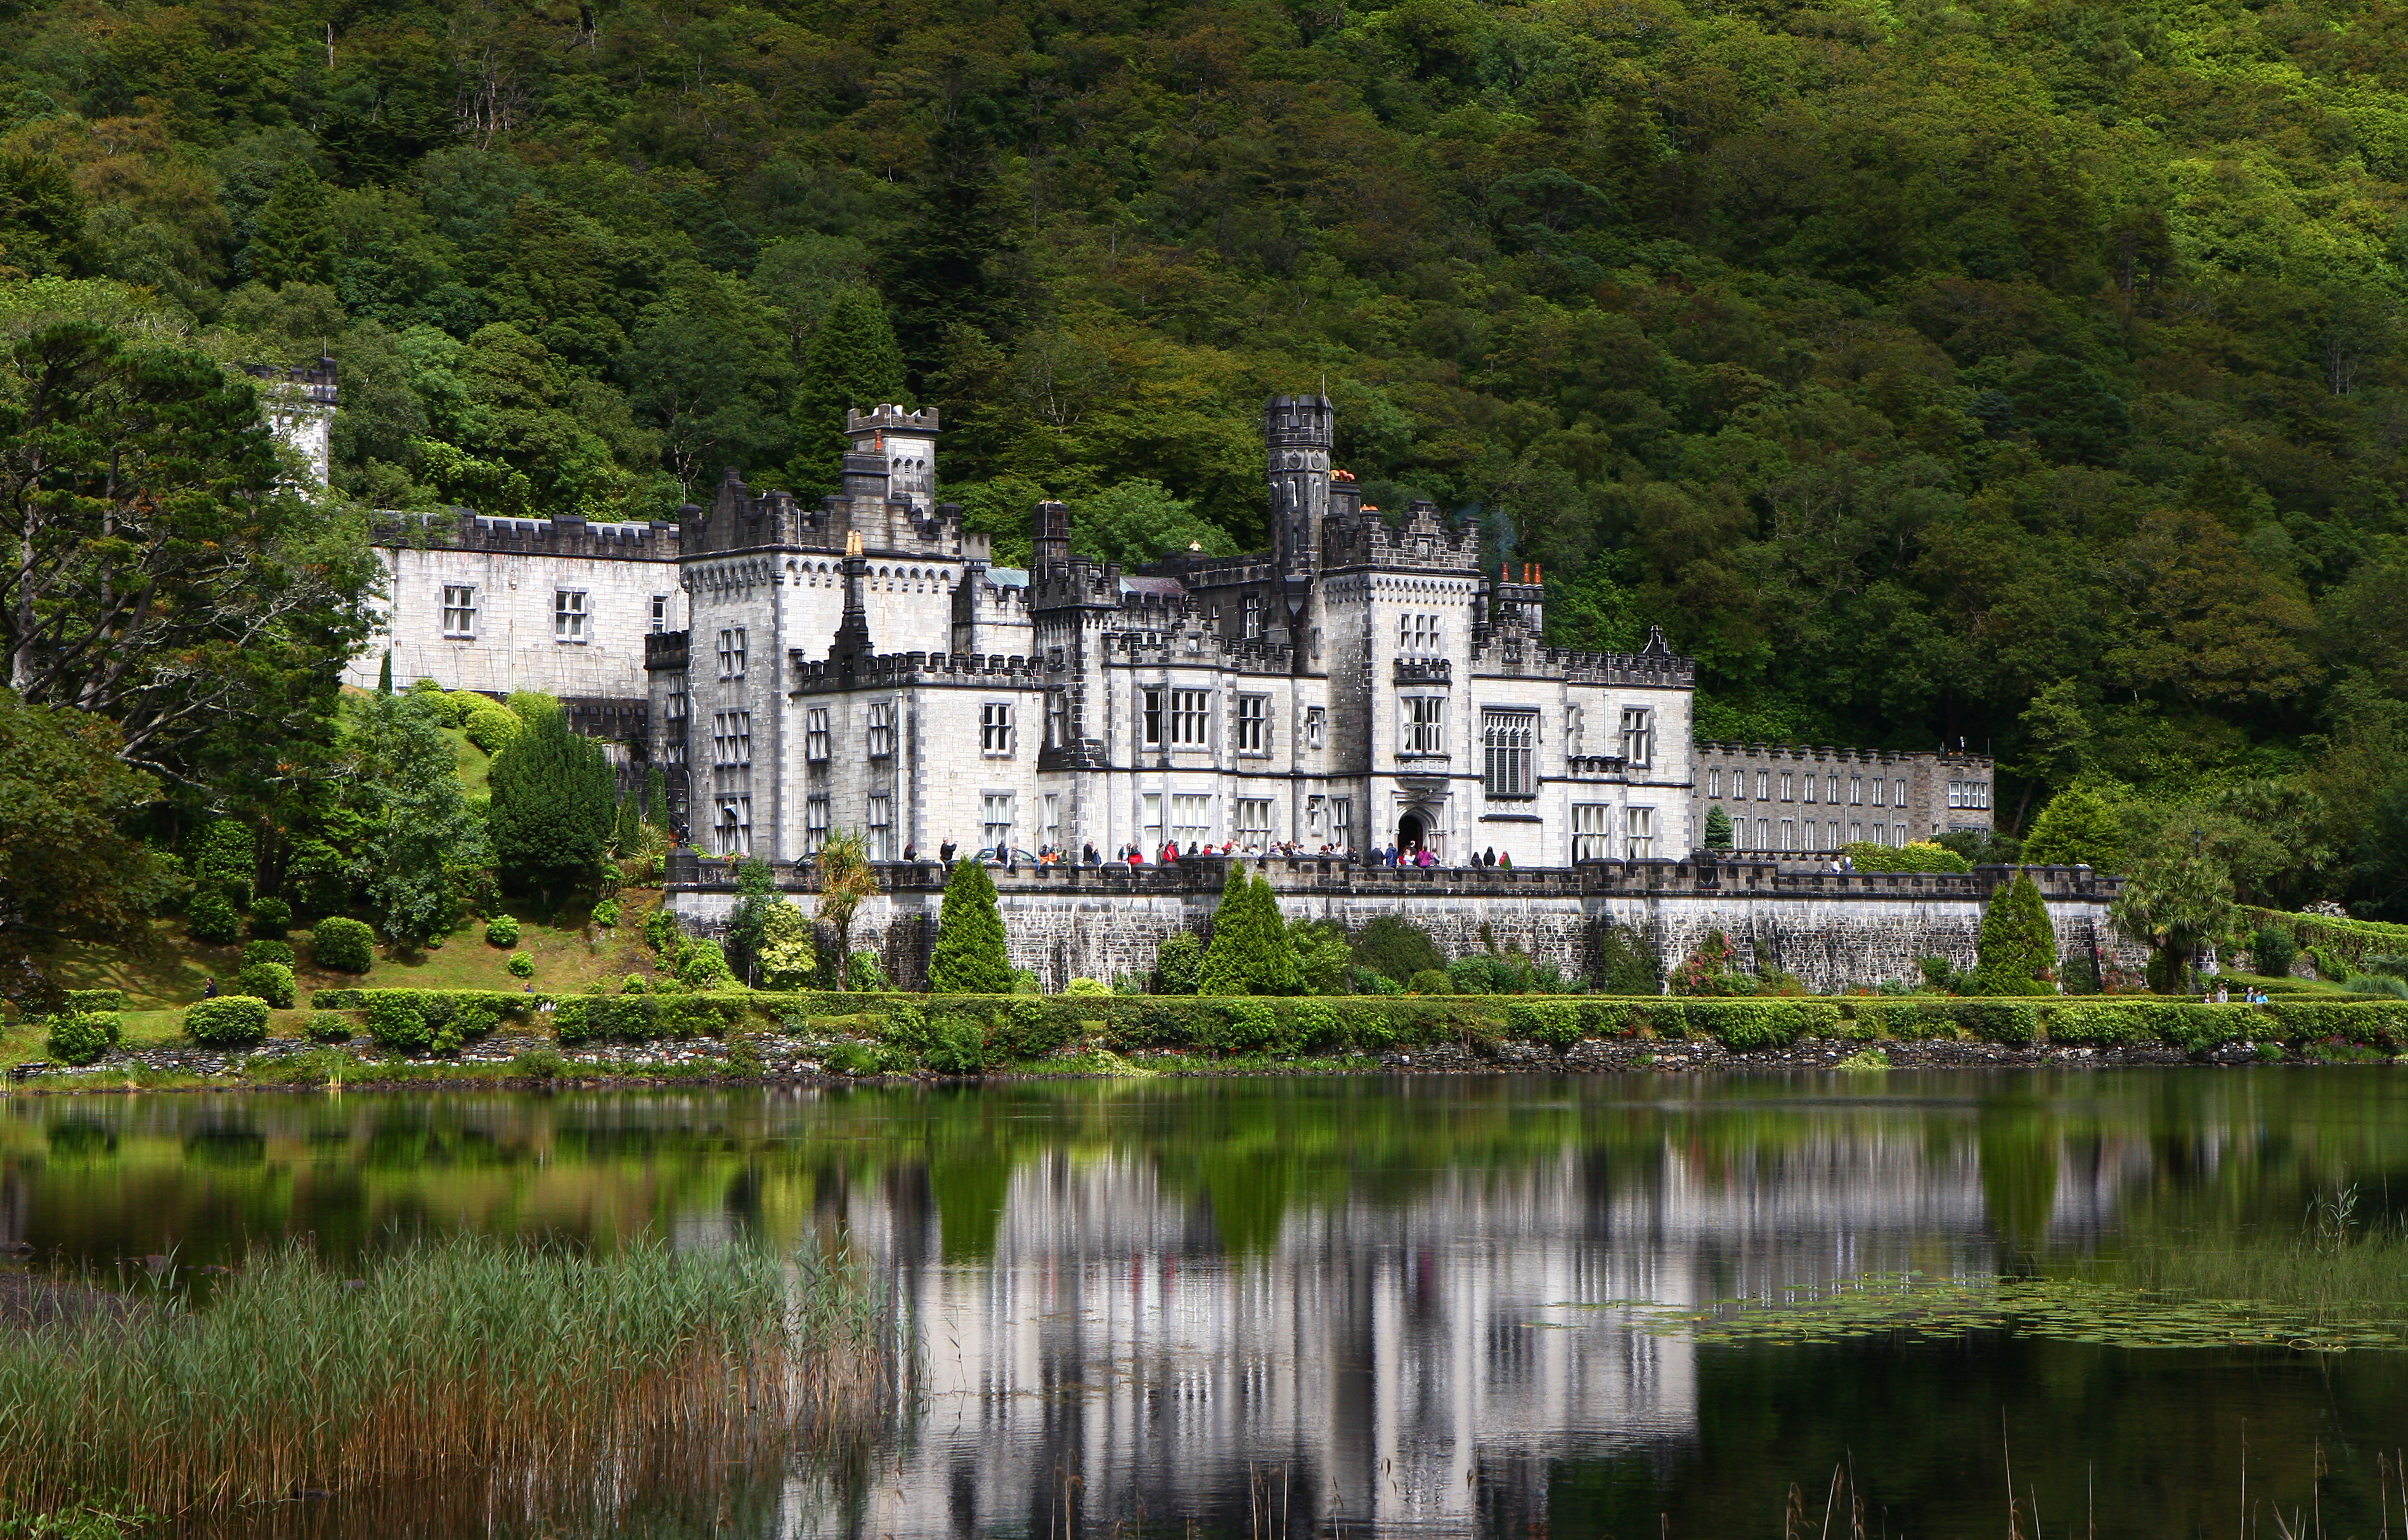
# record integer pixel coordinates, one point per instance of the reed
(2333, 1268)
(534, 1373)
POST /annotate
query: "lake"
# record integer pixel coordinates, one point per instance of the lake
(1391, 1305)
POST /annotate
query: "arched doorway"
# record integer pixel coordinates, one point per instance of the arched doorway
(1412, 833)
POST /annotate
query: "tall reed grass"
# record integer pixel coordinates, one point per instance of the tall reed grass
(2334, 1268)
(535, 1374)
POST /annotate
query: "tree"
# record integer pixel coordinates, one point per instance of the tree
(1138, 520)
(157, 572)
(971, 957)
(1250, 953)
(2080, 827)
(845, 878)
(551, 813)
(68, 870)
(41, 219)
(710, 368)
(424, 845)
(853, 365)
(1718, 828)
(293, 240)
(2018, 947)
(2175, 903)
(788, 955)
(756, 895)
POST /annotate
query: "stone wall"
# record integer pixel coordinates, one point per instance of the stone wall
(1833, 930)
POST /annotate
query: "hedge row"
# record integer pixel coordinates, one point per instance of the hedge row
(1025, 1025)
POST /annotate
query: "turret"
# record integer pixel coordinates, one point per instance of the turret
(1049, 533)
(1299, 432)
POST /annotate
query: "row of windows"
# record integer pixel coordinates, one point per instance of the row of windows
(1768, 834)
(1969, 794)
(1326, 820)
(1792, 787)
(463, 604)
(1420, 633)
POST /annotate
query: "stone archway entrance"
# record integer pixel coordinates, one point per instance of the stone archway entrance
(1413, 832)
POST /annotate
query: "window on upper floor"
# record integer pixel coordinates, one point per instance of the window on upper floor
(815, 824)
(881, 837)
(1422, 725)
(1898, 799)
(1191, 819)
(1638, 736)
(996, 810)
(1787, 787)
(1057, 718)
(568, 614)
(1808, 788)
(1713, 783)
(815, 733)
(1640, 823)
(731, 653)
(1341, 822)
(1253, 822)
(1764, 785)
(1856, 791)
(882, 729)
(1252, 714)
(1254, 617)
(676, 708)
(1420, 633)
(1191, 718)
(1148, 718)
(660, 612)
(733, 832)
(1881, 788)
(1316, 727)
(995, 727)
(1509, 741)
(460, 611)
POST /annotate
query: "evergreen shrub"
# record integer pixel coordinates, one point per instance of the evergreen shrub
(1429, 981)
(703, 967)
(342, 945)
(1627, 962)
(502, 930)
(329, 1026)
(2018, 945)
(81, 1037)
(397, 1021)
(2272, 952)
(606, 914)
(229, 1021)
(269, 951)
(971, 957)
(1177, 964)
(95, 999)
(1398, 947)
(520, 966)
(1554, 1022)
(210, 917)
(270, 918)
(269, 981)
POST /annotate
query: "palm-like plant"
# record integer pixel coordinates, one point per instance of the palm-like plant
(845, 878)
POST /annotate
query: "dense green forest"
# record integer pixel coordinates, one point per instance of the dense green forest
(2028, 374)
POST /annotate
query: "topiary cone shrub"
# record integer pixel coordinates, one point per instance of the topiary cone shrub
(971, 957)
(230, 1021)
(342, 945)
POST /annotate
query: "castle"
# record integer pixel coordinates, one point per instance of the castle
(862, 664)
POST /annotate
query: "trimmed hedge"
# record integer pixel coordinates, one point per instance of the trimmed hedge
(269, 981)
(81, 1037)
(229, 1021)
(993, 1029)
(343, 945)
(81, 1001)
(267, 951)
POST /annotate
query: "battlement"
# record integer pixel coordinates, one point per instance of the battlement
(1826, 754)
(1075, 583)
(1424, 542)
(889, 418)
(564, 536)
(1253, 568)
(1299, 422)
(667, 652)
(740, 519)
(988, 670)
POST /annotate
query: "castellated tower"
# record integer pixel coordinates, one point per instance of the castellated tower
(1299, 432)
(907, 443)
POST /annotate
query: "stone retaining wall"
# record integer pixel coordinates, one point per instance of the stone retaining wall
(1834, 930)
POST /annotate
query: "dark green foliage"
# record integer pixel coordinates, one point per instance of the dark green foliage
(271, 919)
(1429, 981)
(2078, 828)
(1718, 828)
(2018, 948)
(1249, 954)
(1396, 946)
(81, 1037)
(293, 242)
(269, 981)
(397, 1021)
(1554, 1022)
(226, 858)
(1178, 963)
(211, 918)
(757, 893)
(229, 1021)
(41, 219)
(329, 1026)
(342, 945)
(661, 932)
(703, 965)
(550, 820)
(2272, 952)
(1509, 973)
(865, 973)
(1627, 962)
(853, 364)
(971, 957)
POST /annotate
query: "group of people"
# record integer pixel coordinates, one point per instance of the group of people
(2250, 994)
(1169, 853)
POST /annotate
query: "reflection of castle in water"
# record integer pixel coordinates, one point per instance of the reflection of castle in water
(1408, 1364)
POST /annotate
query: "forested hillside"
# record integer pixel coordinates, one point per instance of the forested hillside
(2031, 374)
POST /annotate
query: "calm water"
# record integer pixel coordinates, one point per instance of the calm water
(1357, 1305)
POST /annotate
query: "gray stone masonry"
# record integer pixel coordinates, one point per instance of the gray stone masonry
(1834, 930)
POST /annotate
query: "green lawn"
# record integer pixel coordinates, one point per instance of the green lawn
(173, 969)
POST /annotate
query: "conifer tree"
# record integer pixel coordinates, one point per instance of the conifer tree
(552, 807)
(2018, 950)
(1718, 830)
(1250, 953)
(971, 959)
(853, 365)
(384, 675)
(291, 240)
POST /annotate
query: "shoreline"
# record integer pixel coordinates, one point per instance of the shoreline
(1591, 1056)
